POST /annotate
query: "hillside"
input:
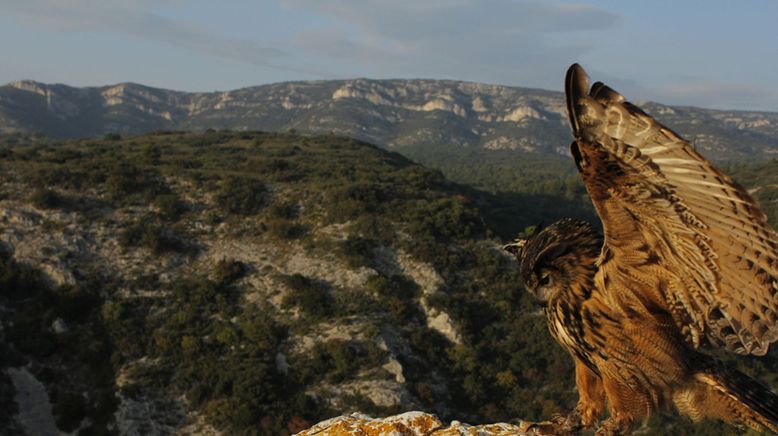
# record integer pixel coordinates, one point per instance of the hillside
(260, 282)
(406, 115)
(244, 281)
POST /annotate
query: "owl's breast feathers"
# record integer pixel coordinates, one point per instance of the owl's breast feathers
(573, 313)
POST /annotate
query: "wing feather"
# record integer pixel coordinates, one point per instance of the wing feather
(713, 258)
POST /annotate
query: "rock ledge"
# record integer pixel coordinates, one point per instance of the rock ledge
(410, 424)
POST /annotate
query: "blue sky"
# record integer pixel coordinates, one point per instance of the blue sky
(720, 54)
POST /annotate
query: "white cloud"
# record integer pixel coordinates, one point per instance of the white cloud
(503, 41)
(412, 19)
(715, 94)
(136, 18)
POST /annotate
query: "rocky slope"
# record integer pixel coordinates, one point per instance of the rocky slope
(403, 114)
(224, 282)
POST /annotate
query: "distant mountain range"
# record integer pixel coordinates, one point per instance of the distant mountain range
(392, 113)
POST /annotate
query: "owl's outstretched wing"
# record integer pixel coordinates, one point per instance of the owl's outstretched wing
(680, 235)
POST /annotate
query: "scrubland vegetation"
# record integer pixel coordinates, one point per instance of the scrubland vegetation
(194, 333)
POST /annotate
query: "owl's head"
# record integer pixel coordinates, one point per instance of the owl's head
(552, 258)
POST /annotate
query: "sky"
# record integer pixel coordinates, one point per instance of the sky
(715, 53)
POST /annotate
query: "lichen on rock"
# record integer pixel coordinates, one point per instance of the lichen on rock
(410, 424)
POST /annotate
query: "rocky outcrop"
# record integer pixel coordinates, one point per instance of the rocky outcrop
(34, 407)
(410, 424)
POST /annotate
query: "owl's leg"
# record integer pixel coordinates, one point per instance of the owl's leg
(620, 420)
(591, 396)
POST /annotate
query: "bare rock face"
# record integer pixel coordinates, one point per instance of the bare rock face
(409, 423)
(35, 409)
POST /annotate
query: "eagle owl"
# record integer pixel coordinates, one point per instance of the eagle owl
(686, 262)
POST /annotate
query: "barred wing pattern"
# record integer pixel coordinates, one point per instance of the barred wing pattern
(680, 235)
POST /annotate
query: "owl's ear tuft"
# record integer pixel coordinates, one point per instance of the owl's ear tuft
(515, 247)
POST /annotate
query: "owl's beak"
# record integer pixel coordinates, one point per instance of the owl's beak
(515, 247)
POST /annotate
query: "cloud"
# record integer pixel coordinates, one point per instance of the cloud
(503, 41)
(717, 95)
(334, 43)
(136, 19)
(413, 19)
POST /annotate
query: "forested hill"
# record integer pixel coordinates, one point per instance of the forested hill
(401, 114)
(255, 282)
(260, 282)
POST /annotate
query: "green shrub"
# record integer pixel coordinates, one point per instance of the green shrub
(124, 180)
(444, 219)
(342, 357)
(286, 230)
(70, 410)
(337, 360)
(276, 166)
(396, 295)
(312, 297)
(190, 344)
(226, 334)
(113, 311)
(241, 195)
(169, 206)
(200, 295)
(374, 227)
(18, 281)
(260, 329)
(43, 198)
(284, 210)
(150, 154)
(397, 286)
(228, 270)
(159, 239)
(357, 251)
(354, 200)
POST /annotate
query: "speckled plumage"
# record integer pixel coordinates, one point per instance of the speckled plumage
(687, 262)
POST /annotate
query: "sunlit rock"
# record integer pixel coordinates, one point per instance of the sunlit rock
(409, 423)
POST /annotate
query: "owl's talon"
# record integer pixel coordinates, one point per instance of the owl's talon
(615, 426)
(562, 425)
(558, 418)
(545, 428)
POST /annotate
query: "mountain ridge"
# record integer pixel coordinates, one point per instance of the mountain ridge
(393, 113)
(25, 82)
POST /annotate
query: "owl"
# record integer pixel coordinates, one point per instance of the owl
(686, 263)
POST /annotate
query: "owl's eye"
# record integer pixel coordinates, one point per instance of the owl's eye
(544, 280)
